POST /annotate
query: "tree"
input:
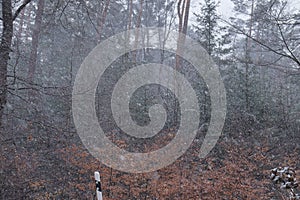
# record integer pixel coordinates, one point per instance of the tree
(282, 25)
(183, 10)
(266, 55)
(102, 19)
(207, 28)
(6, 39)
(35, 40)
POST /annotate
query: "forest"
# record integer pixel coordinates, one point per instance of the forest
(246, 93)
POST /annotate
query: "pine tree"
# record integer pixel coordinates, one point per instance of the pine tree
(207, 28)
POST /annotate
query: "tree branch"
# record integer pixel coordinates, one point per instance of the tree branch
(286, 45)
(21, 8)
(263, 44)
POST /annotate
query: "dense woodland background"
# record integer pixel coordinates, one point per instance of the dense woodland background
(43, 44)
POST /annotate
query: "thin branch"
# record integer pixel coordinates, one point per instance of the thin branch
(20, 97)
(286, 45)
(261, 43)
(21, 8)
(64, 8)
(89, 17)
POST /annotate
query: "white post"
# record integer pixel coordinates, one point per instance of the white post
(98, 186)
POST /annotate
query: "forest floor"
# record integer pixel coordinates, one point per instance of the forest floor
(236, 169)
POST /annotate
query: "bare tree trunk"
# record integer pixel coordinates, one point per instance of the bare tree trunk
(128, 26)
(130, 14)
(186, 16)
(183, 15)
(5, 49)
(180, 11)
(102, 20)
(6, 40)
(248, 61)
(35, 41)
(138, 25)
